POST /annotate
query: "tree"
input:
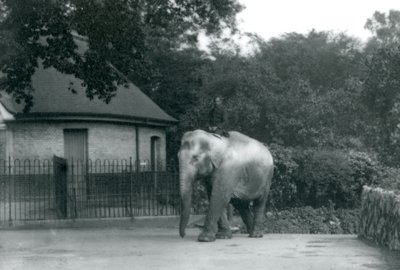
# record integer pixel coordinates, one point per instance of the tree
(121, 34)
(298, 90)
(381, 94)
(385, 28)
(324, 59)
(382, 97)
(319, 79)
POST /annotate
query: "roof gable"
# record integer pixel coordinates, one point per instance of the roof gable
(53, 97)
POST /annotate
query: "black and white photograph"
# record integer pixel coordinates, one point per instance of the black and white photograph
(199, 134)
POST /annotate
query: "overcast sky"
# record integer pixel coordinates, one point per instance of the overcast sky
(271, 18)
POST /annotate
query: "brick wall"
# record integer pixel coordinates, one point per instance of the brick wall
(112, 141)
(105, 140)
(35, 141)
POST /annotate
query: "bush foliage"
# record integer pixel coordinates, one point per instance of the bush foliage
(380, 217)
(317, 178)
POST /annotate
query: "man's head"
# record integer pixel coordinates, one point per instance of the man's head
(218, 100)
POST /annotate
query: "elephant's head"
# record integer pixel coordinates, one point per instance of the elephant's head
(200, 153)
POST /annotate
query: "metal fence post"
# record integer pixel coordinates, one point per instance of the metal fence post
(75, 210)
(73, 187)
(130, 186)
(9, 192)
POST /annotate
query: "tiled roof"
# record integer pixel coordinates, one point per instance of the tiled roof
(52, 98)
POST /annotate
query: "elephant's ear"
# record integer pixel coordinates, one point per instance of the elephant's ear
(216, 159)
(215, 152)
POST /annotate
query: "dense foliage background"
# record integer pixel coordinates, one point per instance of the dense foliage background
(327, 104)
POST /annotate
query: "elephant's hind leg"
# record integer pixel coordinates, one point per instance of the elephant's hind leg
(245, 213)
(259, 212)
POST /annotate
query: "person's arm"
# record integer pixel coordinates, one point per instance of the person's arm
(224, 123)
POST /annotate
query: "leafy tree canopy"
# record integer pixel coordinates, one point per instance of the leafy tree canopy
(122, 35)
(385, 27)
(381, 93)
(297, 90)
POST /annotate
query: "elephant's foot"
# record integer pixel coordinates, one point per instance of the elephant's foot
(206, 237)
(224, 235)
(257, 234)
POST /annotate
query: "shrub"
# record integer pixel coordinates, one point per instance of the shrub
(283, 189)
(318, 177)
(380, 217)
(389, 179)
(323, 176)
(335, 176)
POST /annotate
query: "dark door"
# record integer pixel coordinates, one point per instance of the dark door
(155, 153)
(75, 144)
(60, 181)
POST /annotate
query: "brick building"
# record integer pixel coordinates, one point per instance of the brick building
(70, 125)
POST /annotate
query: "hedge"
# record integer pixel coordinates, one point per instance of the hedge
(380, 217)
(320, 177)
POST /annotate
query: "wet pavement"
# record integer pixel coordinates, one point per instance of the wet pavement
(162, 248)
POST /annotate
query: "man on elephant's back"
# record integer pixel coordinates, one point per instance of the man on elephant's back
(217, 118)
(217, 124)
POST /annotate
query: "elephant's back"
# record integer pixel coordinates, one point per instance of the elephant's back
(250, 150)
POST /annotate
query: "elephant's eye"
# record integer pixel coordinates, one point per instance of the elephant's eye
(195, 158)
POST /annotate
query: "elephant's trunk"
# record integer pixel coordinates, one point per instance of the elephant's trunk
(186, 189)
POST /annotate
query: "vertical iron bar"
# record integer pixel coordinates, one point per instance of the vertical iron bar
(73, 186)
(29, 192)
(148, 193)
(140, 192)
(34, 190)
(3, 188)
(18, 197)
(43, 190)
(25, 190)
(115, 195)
(108, 203)
(37, 178)
(42, 202)
(48, 185)
(130, 186)
(89, 191)
(113, 184)
(15, 215)
(75, 207)
(10, 191)
(31, 196)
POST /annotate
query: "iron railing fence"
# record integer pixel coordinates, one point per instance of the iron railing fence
(61, 189)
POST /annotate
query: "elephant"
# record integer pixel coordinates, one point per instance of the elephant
(235, 169)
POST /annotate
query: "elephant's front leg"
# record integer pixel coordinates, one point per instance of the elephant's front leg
(224, 230)
(218, 202)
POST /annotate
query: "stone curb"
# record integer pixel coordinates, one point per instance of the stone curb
(125, 222)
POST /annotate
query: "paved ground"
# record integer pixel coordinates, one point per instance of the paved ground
(138, 247)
